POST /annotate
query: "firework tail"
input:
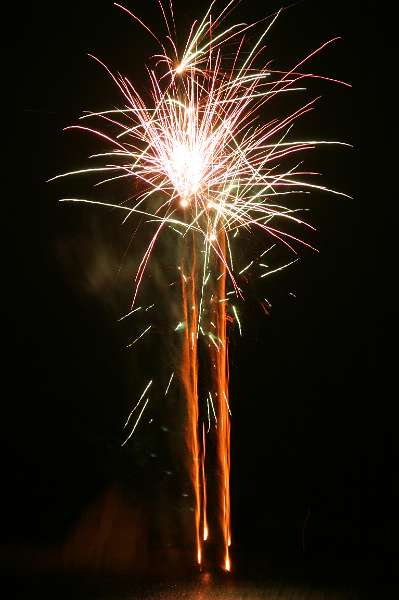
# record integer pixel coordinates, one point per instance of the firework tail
(196, 443)
(189, 377)
(219, 357)
(205, 530)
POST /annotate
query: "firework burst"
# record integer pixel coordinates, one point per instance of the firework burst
(208, 166)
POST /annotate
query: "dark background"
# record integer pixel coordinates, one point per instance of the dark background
(314, 473)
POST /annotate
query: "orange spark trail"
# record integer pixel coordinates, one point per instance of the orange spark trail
(189, 375)
(220, 357)
(205, 531)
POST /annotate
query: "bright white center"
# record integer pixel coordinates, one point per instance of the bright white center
(187, 166)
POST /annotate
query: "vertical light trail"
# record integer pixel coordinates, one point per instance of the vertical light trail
(196, 444)
(189, 376)
(221, 384)
(205, 529)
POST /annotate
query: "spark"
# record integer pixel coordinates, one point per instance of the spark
(268, 250)
(205, 532)
(130, 313)
(280, 268)
(170, 381)
(227, 564)
(246, 268)
(139, 337)
(227, 402)
(176, 230)
(237, 319)
(138, 403)
(136, 423)
(213, 408)
(212, 338)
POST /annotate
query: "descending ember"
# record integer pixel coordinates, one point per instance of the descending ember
(209, 168)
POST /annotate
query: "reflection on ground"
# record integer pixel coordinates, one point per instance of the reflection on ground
(210, 589)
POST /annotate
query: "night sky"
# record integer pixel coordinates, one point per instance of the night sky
(314, 455)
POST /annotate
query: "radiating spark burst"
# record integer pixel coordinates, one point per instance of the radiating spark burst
(209, 168)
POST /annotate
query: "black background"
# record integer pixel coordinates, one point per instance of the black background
(313, 426)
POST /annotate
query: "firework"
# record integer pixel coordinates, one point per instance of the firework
(212, 169)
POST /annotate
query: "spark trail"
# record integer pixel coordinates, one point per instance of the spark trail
(209, 167)
(221, 385)
(189, 376)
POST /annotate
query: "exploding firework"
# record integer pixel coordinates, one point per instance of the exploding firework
(210, 167)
